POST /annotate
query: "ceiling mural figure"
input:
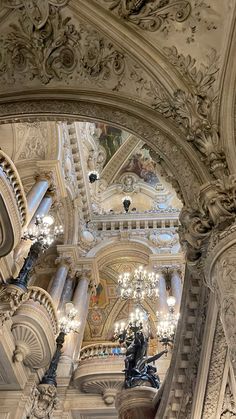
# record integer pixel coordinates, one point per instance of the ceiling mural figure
(143, 166)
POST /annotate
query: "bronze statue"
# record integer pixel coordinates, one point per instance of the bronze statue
(137, 368)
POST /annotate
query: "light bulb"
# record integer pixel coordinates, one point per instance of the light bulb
(48, 219)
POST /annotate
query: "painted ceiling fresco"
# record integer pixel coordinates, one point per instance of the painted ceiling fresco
(143, 166)
(100, 307)
(105, 306)
(110, 139)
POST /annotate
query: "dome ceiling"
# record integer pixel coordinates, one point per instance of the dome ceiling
(125, 167)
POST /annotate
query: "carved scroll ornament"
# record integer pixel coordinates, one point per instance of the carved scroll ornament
(151, 15)
(55, 49)
(215, 209)
(45, 400)
(36, 10)
(196, 113)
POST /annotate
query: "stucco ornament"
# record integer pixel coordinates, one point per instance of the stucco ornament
(59, 49)
(151, 15)
(196, 113)
(163, 16)
(128, 183)
(36, 10)
(163, 238)
(228, 317)
(220, 274)
(229, 408)
(11, 297)
(46, 52)
(216, 207)
(44, 401)
(215, 374)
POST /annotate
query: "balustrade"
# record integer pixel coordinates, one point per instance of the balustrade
(10, 171)
(101, 350)
(119, 222)
(39, 295)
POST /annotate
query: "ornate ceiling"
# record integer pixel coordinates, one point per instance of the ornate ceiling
(163, 72)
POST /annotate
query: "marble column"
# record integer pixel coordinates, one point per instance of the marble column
(43, 209)
(24, 245)
(81, 303)
(163, 306)
(67, 292)
(57, 283)
(35, 196)
(176, 287)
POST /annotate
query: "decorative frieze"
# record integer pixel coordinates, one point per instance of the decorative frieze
(215, 374)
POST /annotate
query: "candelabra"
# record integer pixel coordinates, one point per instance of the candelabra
(126, 203)
(167, 323)
(138, 285)
(135, 323)
(43, 230)
(45, 394)
(93, 176)
(41, 234)
(135, 337)
(67, 324)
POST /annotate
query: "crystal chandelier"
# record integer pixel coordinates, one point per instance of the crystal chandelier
(167, 323)
(43, 230)
(136, 322)
(138, 285)
(68, 323)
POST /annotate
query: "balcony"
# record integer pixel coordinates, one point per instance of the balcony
(100, 370)
(34, 329)
(13, 205)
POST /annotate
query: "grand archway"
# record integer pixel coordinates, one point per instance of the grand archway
(106, 69)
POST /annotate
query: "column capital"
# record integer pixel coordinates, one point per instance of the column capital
(67, 256)
(51, 170)
(63, 260)
(87, 267)
(168, 267)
